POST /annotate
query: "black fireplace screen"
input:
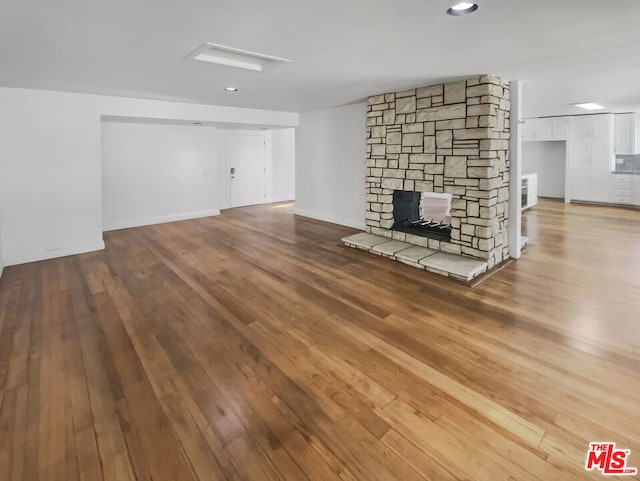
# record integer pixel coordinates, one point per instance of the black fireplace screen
(408, 218)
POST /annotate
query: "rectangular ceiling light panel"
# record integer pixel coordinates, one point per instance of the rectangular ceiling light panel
(234, 57)
(589, 106)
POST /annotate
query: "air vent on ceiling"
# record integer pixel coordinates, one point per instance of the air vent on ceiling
(234, 57)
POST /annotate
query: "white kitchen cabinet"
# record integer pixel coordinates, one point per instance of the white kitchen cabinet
(591, 166)
(621, 189)
(627, 134)
(582, 127)
(547, 128)
(526, 130)
(602, 160)
(560, 128)
(635, 195)
(536, 129)
(581, 169)
(592, 157)
(589, 126)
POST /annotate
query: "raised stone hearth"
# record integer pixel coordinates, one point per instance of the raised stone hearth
(451, 265)
(446, 139)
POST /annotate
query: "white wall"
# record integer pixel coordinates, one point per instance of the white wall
(50, 175)
(160, 173)
(548, 160)
(50, 169)
(1, 257)
(330, 164)
(281, 165)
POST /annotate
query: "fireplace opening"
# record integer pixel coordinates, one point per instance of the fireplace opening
(425, 214)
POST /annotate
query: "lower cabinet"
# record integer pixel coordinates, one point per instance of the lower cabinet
(621, 189)
(635, 196)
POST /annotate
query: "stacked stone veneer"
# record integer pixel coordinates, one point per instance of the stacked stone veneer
(451, 138)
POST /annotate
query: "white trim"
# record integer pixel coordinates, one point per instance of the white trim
(356, 224)
(162, 219)
(44, 255)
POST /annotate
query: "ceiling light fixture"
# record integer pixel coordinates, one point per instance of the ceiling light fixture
(462, 8)
(589, 106)
(197, 123)
(231, 89)
(234, 57)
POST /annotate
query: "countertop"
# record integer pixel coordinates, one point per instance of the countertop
(627, 172)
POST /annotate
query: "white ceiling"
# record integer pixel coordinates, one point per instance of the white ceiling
(566, 51)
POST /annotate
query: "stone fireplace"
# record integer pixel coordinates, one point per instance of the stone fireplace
(452, 139)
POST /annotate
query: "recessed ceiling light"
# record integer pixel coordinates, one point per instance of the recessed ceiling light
(462, 8)
(234, 57)
(231, 89)
(589, 106)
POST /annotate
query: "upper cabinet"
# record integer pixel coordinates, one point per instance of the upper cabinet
(589, 126)
(536, 129)
(549, 128)
(560, 128)
(627, 134)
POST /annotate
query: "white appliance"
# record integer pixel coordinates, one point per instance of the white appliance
(529, 189)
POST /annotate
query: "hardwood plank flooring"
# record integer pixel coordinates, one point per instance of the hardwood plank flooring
(255, 347)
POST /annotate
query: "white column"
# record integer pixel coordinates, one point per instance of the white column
(515, 172)
(568, 163)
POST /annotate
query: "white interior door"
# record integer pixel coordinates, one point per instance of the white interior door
(246, 156)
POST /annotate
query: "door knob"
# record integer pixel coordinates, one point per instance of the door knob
(233, 170)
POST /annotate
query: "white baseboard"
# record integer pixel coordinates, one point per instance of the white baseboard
(45, 255)
(356, 224)
(127, 224)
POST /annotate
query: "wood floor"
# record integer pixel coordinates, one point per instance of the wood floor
(254, 347)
